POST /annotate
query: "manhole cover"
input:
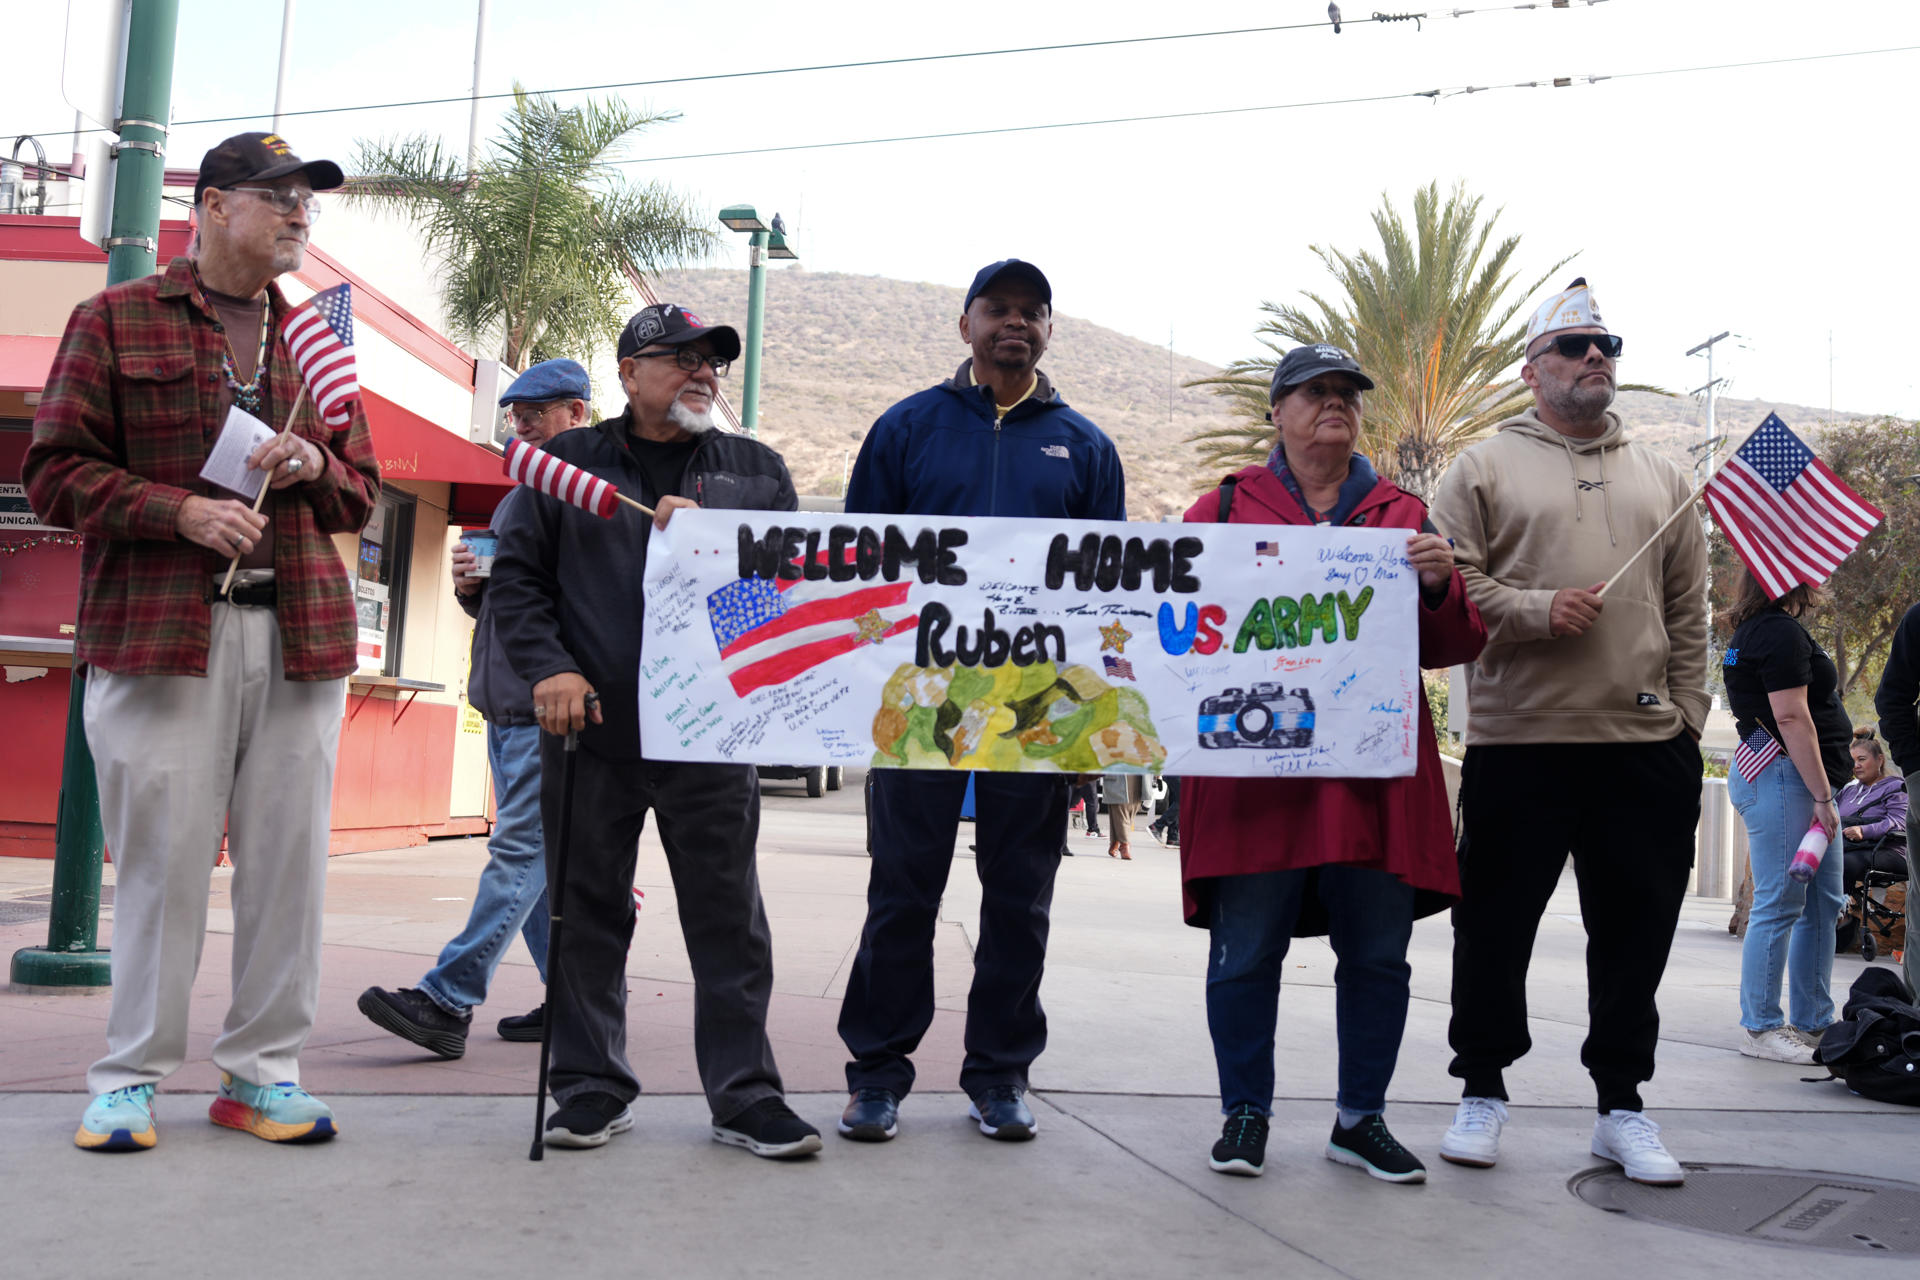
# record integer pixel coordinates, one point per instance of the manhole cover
(1833, 1212)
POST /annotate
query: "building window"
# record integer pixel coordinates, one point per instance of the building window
(380, 592)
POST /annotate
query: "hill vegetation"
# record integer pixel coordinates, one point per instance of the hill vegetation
(839, 349)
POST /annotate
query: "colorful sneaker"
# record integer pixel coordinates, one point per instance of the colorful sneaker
(119, 1120)
(281, 1112)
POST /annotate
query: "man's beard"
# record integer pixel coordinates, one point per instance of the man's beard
(1577, 403)
(696, 423)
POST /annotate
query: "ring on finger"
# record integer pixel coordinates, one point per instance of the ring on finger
(293, 467)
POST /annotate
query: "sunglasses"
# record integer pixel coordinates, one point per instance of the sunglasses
(285, 200)
(1574, 345)
(688, 359)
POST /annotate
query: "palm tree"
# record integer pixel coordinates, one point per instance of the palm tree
(538, 242)
(1432, 318)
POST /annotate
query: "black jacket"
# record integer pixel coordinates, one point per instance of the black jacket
(494, 688)
(1899, 688)
(565, 593)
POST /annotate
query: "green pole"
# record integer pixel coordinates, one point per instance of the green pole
(756, 310)
(72, 958)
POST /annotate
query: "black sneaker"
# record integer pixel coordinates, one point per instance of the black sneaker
(1002, 1114)
(412, 1015)
(769, 1128)
(588, 1120)
(1242, 1149)
(872, 1115)
(1369, 1146)
(523, 1027)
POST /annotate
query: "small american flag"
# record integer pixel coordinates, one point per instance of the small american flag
(769, 631)
(1788, 515)
(1119, 667)
(1271, 549)
(319, 333)
(1756, 753)
(540, 469)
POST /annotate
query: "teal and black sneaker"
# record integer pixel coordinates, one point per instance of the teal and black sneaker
(281, 1112)
(119, 1120)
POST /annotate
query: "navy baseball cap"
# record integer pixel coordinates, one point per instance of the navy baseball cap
(549, 380)
(1310, 361)
(1013, 269)
(667, 325)
(260, 157)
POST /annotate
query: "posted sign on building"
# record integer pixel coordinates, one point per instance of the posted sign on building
(1030, 646)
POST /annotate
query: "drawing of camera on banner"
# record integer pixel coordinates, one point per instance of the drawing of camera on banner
(1269, 717)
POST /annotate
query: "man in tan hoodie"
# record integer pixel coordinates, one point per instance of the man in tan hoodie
(1582, 739)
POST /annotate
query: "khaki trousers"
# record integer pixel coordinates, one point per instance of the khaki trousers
(178, 759)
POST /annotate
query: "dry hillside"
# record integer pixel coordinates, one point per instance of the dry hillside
(840, 348)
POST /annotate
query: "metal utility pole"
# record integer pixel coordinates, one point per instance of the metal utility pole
(756, 313)
(286, 56)
(1712, 391)
(473, 122)
(72, 957)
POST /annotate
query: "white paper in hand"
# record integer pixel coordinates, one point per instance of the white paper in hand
(226, 465)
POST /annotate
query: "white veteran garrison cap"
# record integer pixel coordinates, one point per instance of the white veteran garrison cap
(1571, 308)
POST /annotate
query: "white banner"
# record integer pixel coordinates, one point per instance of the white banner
(1228, 650)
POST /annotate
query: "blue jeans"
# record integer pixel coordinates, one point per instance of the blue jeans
(1790, 926)
(512, 894)
(1251, 922)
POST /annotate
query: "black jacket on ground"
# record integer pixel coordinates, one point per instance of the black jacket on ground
(1899, 689)
(565, 592)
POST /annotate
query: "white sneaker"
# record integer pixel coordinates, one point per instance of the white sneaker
(1632, 1141)
(1474, 1137)
(1776, 1044)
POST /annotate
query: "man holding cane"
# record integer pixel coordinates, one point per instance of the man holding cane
(1585, 715)
(566, 594)
(206, 711)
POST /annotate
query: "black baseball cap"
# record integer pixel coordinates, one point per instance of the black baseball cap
(1013, 268)
(1310, 361)
(666, 324)
(260, 157)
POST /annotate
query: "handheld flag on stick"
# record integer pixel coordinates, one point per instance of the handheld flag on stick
(1788, 515)
(541, 470)
(320, 337)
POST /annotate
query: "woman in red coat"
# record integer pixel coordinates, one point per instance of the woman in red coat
(1263, 860)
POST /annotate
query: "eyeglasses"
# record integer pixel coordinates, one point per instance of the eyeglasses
(532, 414)
(285, 200)
(1574, 345)
(689, 360)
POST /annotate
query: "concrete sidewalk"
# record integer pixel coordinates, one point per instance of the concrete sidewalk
(430, 1176)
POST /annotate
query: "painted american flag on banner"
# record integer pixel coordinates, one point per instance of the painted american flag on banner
(1756, 753)
(768, 632)
(319, 335)
(1788, 515)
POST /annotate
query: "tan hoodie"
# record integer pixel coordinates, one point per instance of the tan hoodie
(1531, 511)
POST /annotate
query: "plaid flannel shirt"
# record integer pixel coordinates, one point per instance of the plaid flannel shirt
(131, 408)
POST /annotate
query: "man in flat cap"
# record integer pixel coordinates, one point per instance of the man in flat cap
(511, 898)
(995, 439)
(207, 711)
(566, 594)
(1583, 733)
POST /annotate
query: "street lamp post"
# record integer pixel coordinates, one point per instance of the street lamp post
(764, 242)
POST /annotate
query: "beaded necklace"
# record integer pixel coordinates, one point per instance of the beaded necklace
(247, 395)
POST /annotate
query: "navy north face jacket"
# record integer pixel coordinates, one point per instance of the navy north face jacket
(939, 453)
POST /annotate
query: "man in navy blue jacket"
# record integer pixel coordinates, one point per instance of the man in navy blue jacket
(995, 439)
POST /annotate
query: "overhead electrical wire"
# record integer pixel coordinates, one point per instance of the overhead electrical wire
(1065, 46)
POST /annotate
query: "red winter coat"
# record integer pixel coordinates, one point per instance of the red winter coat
(1237, 826)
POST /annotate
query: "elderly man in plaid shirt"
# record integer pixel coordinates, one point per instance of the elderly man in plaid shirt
(207, 712)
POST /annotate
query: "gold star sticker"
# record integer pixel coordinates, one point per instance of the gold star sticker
(1115, 638)
(873, 627)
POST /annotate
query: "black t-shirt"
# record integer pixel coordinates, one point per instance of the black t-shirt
(1771, 652)
(663, 465)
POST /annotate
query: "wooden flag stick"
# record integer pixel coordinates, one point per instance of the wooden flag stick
(644, 510)
(1684, 507)
(260, 498)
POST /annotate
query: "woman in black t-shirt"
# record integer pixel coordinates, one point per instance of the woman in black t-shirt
(1794, 734)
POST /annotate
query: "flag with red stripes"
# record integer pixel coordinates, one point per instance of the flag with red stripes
(319, 335)
(769, 631)
(1788, 515)
(1755, 752)
(541, 470)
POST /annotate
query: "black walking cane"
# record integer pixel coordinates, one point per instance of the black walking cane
(556, 896)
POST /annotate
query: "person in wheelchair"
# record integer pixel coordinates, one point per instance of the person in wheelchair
(1873, 813)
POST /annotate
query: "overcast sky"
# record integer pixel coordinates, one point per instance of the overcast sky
(1776, 201)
